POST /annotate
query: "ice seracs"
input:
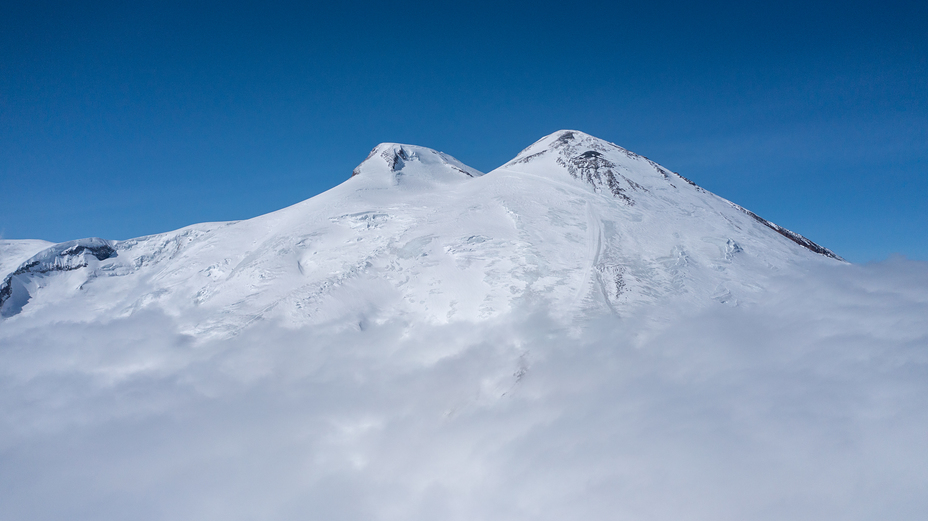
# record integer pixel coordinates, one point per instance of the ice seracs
(573, 222)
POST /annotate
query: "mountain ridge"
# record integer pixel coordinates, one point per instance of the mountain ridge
(579, 220)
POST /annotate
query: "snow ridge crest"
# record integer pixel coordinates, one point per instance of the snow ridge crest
(395, 159)
(66, 256)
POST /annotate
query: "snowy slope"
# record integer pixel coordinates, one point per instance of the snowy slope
(15, 252)
(574, 221)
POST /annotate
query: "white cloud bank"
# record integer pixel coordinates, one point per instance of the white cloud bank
(812, 404)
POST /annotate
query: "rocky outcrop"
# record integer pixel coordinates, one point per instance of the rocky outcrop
(791, 235)
(66, 256)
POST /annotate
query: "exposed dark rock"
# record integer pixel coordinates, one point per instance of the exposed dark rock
(396, 159)
(468, 174)
(528, 158)
(593, 168)
(791, 235)
(67, 256)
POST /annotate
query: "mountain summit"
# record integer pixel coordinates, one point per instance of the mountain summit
(574, 221)
(394, 163)
(602, 165)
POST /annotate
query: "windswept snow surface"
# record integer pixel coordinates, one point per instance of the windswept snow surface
(578, 334)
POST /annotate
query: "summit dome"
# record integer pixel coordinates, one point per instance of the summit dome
(397, 163)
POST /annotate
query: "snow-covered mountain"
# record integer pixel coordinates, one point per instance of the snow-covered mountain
(573, 221)
(578, 334)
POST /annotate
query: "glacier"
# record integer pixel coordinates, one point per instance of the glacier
(580, 332)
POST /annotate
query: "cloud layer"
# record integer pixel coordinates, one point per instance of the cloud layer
(810, 404)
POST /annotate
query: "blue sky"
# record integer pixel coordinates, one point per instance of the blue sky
(121, 120)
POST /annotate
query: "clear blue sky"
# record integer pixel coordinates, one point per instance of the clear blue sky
(121, 119)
